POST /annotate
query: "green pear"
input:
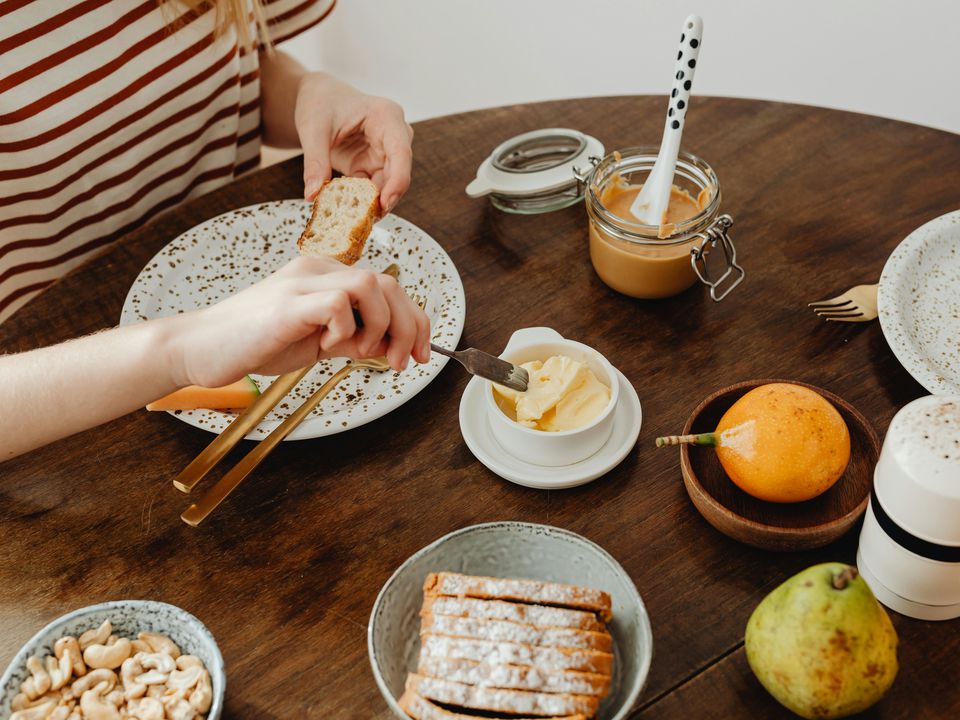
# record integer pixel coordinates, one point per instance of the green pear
(821, 644)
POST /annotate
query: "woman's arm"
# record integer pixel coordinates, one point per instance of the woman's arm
(338, 127)
(299, 314)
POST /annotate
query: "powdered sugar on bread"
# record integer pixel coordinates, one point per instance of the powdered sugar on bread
(527, 591)
(516, 702)
(496, 653)
(514, 677)
(540, 615)
(515, 633)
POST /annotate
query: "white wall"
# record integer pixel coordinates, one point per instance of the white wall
(896, 58)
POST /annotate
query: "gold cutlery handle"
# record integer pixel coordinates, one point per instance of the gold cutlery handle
(237, 430)
(196, 513)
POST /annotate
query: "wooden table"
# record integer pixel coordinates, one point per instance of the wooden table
(286, 571)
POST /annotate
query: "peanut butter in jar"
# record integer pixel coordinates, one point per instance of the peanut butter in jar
(649, 261)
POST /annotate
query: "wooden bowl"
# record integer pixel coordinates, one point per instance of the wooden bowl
(776, 526)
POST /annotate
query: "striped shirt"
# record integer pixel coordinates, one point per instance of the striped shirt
(112, 111)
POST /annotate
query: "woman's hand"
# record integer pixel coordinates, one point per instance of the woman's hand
(301, 313)
(340, 128)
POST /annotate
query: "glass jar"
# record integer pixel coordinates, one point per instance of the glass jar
(632, 259)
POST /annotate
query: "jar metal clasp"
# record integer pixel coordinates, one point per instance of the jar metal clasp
(731, 274)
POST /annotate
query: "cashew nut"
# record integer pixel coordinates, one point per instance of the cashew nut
(202, 695)
(158, 661)
(37, 712)
(107, 656)
(39, 681)
(152, 677)
(160, 643)
(178, 709)
(95, 707)
(22, 702)
(129, 671)
(184, 679)
(62, 712)
(116, 697)
(185, 661)
(60, 671)
(140, 646)
(145, 709)
(97, 636)
(155, 691)
(69, 647)
(92, 679)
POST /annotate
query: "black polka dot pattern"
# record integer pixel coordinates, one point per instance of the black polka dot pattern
(686, 62)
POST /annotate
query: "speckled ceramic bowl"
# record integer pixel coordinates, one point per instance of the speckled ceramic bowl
(128, 618)
(517, 550)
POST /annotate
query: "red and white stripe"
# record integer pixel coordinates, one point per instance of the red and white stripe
(107, 117)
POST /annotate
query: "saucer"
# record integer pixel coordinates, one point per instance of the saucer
(475, 428)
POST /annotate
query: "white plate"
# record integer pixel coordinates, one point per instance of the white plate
(228, 253)
(475, 427)
(919, 304)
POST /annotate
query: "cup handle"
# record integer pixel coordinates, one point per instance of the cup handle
(531, 336)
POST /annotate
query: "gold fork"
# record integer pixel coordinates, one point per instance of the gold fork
(199, 510)
(858, 304)
(246, 421)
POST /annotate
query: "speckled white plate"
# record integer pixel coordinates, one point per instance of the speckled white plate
(230, 252)
(919, 304)
(128, 618)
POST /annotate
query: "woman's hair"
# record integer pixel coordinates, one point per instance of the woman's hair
(236, 13)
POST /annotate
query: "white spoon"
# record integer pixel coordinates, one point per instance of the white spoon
(652, 200)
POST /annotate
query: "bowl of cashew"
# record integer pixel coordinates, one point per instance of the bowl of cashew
(137, 659)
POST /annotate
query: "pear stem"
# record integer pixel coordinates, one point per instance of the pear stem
(843, 578)
(710, 439)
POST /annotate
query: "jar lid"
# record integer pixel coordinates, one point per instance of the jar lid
(537, 171)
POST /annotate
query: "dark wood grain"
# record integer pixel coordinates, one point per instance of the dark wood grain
(286, 571)
(775, 526)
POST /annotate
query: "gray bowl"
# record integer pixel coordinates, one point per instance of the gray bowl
(128, 618)
(518, 550)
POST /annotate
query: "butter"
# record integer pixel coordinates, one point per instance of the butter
(563, 394)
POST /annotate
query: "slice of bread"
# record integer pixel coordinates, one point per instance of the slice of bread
(496, 653)
(513, 702)
(526, 591)
(344, 212)
(500, 630)
(419, 708)
(539, 615)
(515, 677)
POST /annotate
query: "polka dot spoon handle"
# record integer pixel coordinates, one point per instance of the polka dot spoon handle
(651, 202)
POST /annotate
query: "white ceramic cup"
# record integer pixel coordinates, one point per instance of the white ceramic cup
(566, 446)
(909, 550)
